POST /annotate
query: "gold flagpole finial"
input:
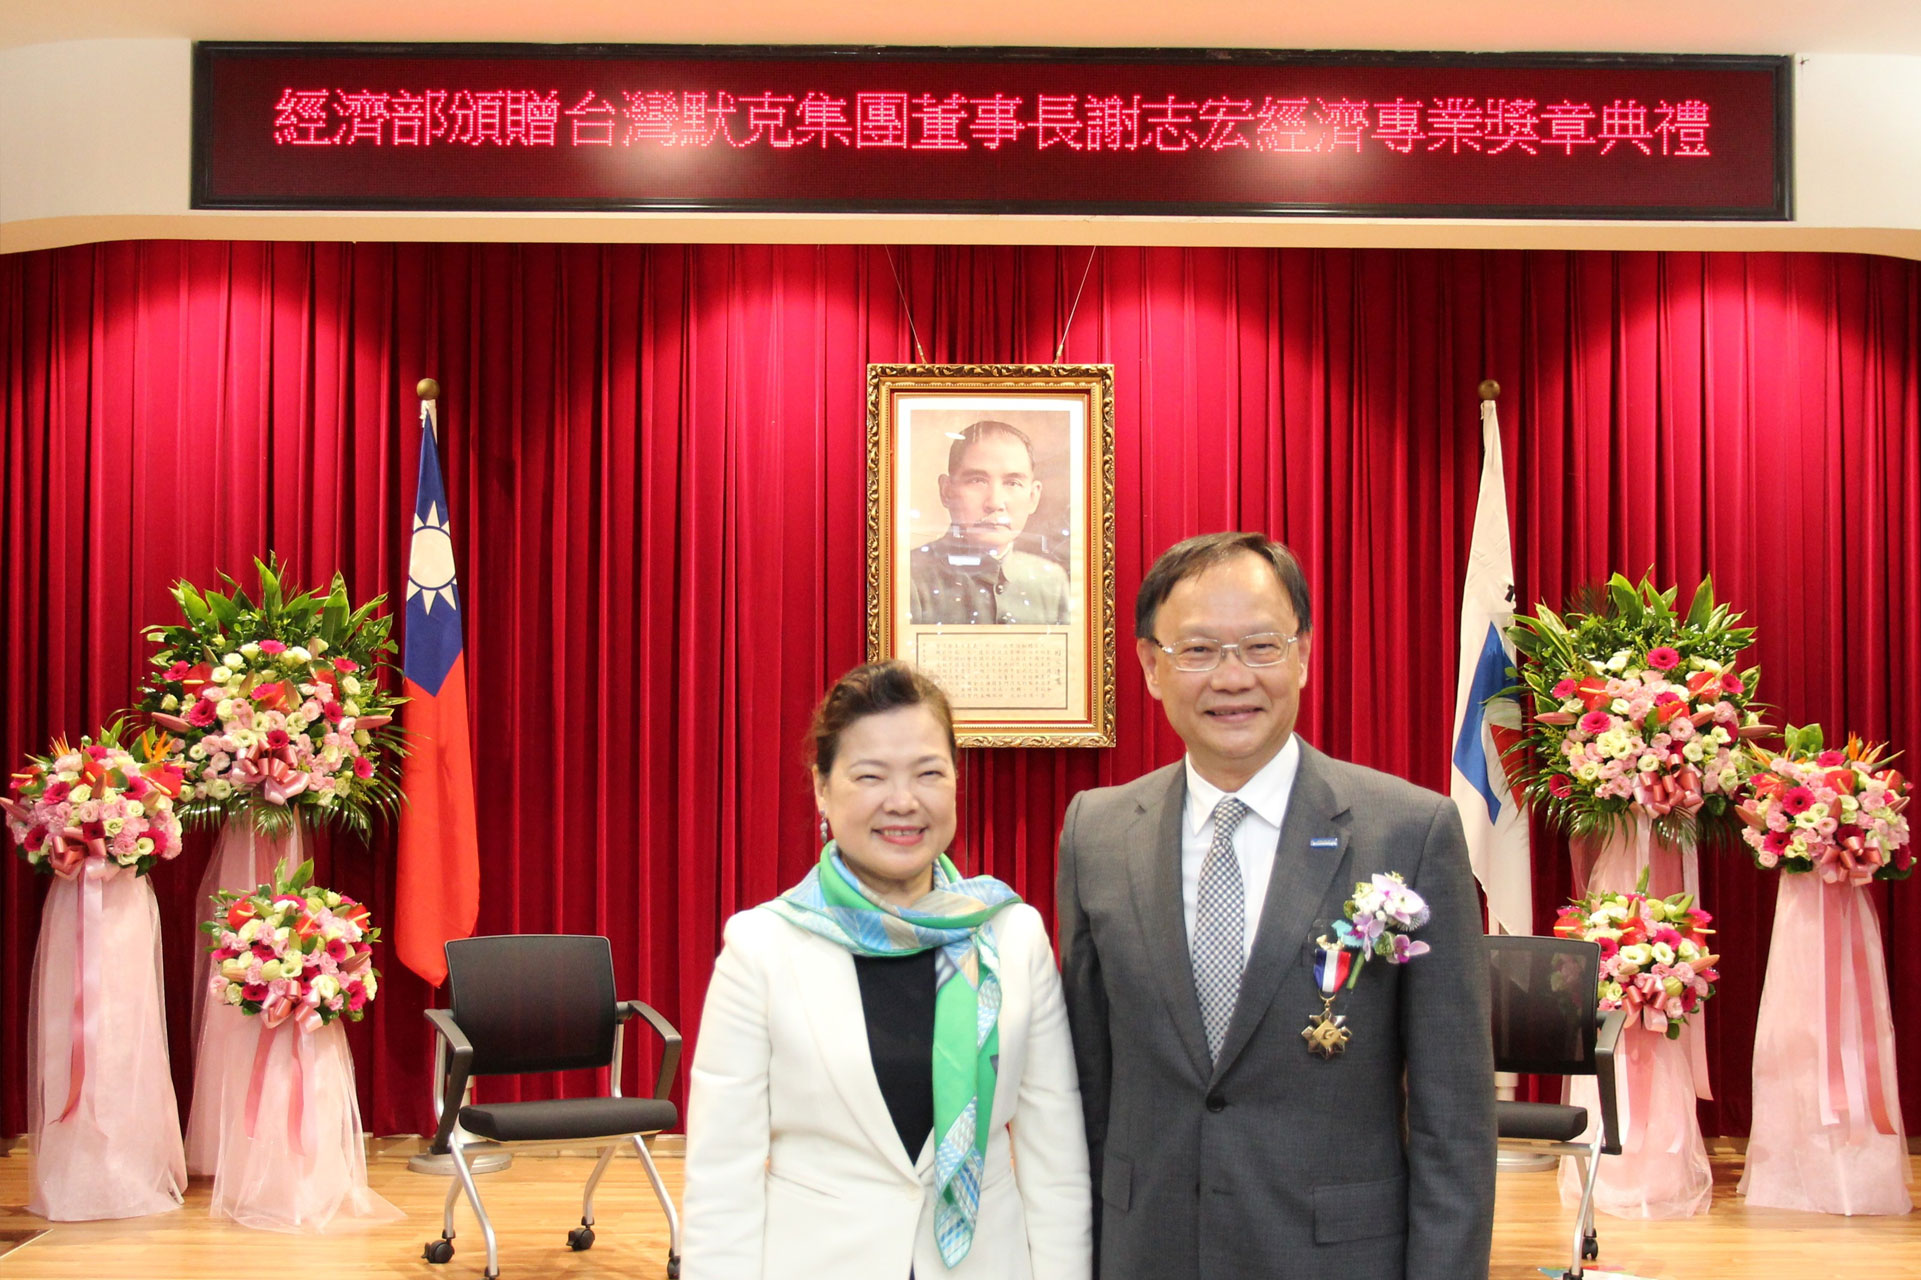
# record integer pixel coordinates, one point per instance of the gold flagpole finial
(427, 389)
(1489, 389)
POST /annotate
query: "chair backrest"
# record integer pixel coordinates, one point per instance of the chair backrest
(1546, 995)
(534, 1002)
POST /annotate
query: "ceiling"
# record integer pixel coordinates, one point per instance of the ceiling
(1668, 26)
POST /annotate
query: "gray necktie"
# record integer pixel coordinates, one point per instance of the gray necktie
(1220, 923)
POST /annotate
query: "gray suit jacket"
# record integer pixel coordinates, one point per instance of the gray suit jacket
(1273, 1162)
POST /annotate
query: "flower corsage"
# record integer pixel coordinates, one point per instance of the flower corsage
(1379, 918)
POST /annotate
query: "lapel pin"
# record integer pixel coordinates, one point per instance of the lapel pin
(1325, 842)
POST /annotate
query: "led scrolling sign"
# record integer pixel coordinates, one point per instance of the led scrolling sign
(1187, 132)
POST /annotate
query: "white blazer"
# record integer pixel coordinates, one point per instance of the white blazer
(794, 1167)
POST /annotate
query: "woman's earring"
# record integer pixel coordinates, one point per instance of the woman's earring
(825, 834)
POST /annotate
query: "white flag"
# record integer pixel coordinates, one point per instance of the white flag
(1496, 822)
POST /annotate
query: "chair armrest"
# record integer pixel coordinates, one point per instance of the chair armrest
(1605, 1041)
(669, 1040)
(459, 1068)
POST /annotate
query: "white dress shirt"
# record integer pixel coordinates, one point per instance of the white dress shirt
(1256, 840)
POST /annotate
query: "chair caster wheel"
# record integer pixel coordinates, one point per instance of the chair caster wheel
(439, 1251)
(673, 1266)
(580, 1239)
(1590, 1249)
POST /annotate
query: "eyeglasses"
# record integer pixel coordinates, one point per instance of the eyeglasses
(1262, 649)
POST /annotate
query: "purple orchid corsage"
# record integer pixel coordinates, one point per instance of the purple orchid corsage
(1380, 916)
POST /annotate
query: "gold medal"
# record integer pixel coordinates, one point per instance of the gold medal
(1326, 1032)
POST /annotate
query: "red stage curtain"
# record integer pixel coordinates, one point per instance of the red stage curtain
(655, 458)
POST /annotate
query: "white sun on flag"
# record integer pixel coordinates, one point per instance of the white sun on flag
(430, 562)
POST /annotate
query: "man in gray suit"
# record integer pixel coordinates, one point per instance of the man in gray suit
(1227, 1138)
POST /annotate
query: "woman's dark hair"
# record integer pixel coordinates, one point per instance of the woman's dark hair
(1196, 556)
(869, 690)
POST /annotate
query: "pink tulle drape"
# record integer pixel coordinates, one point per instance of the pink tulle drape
(223, 1044)
(1827, 1133)
(104, 1130)
(1663, 1170)
(291, 1155)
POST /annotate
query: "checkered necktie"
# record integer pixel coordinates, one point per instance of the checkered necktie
(1220, 921)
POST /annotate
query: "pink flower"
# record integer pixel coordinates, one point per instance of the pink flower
(332, 711)
(356, 996)
(346, 665)
(272, 646)
(276, 739)
(1565, 689)
(363, 767)
(1830, 759)
(1596, 723)
(254, 991)
(177, 671)
(1731, 683)
(1560, 786)
(337, 949)
(1663, 658)
(1798, 800)
(201, 714)
(58, 792)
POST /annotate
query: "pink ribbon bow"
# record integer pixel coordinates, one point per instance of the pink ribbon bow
(273, 773)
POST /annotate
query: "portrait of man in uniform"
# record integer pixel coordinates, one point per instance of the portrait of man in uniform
(979, 571)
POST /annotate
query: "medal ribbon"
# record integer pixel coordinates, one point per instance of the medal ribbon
(1331, 968)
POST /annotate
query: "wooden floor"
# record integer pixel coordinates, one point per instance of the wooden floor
(536, 1201)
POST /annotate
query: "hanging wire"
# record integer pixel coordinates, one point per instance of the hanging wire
(919, 352)
(1085, 272)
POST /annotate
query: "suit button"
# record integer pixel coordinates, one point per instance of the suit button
(1216, 1103)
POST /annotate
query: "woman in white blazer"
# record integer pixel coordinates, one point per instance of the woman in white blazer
(858, 1026)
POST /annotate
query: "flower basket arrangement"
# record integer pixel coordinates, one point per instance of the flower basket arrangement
(102, 1120)
(297, 960)
(1639, 712)
(1655, 961)
(1838, 813)
(275, 704)
(291, 949)
(97, 801)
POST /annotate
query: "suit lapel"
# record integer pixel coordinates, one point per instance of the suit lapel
(1154, 875)
(1302, 873)
(831, 997)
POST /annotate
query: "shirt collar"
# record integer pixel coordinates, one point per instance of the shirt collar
(1265, 793)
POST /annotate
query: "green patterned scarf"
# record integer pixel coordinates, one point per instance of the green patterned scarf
(951, 918)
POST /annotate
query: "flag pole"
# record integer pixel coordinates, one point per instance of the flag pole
(482, 1157)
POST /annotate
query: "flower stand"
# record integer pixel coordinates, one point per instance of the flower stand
(242, 858)
(103, 1127)
(1663, 1170)
(1827, 1134)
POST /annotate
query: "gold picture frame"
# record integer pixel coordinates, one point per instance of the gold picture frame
(999, 585)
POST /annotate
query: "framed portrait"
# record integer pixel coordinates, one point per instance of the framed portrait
(990, 543)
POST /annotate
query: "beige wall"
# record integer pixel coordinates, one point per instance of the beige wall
(94, 145)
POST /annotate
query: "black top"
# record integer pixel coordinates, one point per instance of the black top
(897, 995)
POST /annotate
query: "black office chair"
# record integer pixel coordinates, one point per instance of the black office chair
(1547, 1021)
(529, 1003)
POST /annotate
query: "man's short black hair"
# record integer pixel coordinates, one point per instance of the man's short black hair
(1196, 556)
(986, 427)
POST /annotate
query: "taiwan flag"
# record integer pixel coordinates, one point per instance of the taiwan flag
(439, 863)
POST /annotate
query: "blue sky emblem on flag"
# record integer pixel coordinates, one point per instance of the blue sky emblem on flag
(433, 637)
